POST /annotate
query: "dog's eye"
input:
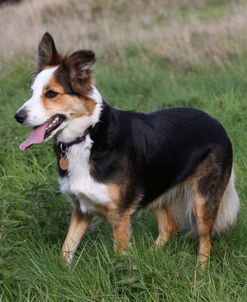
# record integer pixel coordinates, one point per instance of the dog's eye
(50, 94)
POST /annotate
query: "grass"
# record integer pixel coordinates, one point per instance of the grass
(35, 216)
(180, 32)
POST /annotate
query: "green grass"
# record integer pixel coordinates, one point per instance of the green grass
(35, 216)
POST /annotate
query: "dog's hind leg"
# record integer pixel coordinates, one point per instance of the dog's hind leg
(208, 185)
(204, 227)
(166, 224)
(79, 223)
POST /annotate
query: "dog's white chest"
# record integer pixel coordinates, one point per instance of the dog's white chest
(78, 181)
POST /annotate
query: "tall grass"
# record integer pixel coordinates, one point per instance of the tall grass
(183, 33)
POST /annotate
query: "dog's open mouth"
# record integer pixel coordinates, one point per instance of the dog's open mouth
(42, 132)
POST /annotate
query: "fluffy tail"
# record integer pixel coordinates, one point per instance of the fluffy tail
(228, 208)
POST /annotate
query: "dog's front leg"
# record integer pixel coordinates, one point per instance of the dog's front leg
(120, 224)
(79, 223)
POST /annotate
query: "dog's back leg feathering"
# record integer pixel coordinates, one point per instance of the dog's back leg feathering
(207, 203)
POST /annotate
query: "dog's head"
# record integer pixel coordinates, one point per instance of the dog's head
(64, 100)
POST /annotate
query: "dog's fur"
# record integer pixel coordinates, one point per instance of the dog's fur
(177, 163)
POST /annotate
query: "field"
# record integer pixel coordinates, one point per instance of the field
(190, 55)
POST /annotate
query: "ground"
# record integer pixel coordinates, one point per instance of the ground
(34, 215)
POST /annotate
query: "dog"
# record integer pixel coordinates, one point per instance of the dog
(176, 163)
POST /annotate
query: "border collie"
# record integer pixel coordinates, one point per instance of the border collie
(176, 163)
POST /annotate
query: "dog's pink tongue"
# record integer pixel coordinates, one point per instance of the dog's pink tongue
(35, 137)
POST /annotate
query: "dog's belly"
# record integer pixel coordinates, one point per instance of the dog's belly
(180, 200)
(79, 184)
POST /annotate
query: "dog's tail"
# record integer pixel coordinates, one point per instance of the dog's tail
(228, 208)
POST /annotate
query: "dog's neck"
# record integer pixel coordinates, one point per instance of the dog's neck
(76, 127)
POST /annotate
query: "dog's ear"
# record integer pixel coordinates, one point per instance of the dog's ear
(47, 52)
(78, 65)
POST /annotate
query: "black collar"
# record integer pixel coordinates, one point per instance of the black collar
(63, 147)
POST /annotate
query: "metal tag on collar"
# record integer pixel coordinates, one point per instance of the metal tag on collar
(63, 161)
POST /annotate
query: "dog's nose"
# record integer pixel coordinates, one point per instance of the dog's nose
(20, 116)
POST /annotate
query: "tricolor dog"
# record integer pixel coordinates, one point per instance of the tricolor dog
(176, 163)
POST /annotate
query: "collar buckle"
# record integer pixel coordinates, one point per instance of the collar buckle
(65, 146)
(64, 149)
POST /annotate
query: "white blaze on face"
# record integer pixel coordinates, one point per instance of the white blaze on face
(36, 114)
